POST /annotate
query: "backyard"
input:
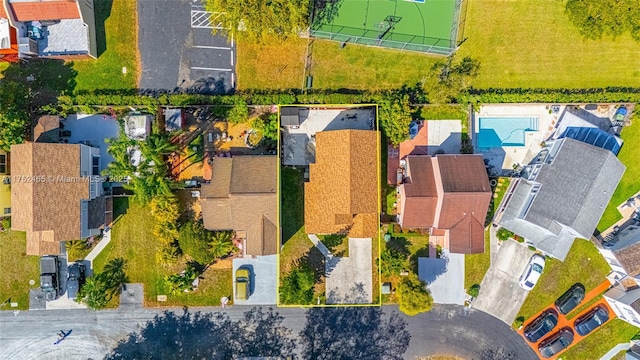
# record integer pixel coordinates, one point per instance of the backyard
(629, 183)
(116, 36)
(17, 270)
(131, 239)
(558, 276)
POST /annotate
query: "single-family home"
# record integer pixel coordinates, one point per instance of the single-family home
(8, 37)
(242, 197)
(53, 28)
(342, 193)
(624, 300)
(56, 194)
(447, 194)
(622, 252)
(5, 184)
(561, 195)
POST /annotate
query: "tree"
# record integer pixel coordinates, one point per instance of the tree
(93, 293)
(221, 244)
(413, 296)
(448, 79)
(261, 21)
(297, 286)
(114, 275)
(504, 234)
(14, 118)
(182, 281)
(394, 113)
(239, 113)
(474, 290)
(194, 241)
(598, 18)
(391, 262)
(267, 125)
(75, 248)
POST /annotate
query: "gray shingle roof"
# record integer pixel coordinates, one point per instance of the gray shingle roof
(575, 189)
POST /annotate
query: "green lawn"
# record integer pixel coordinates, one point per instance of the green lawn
(584, 264)
(417, 245)
(131, 239)
(476, 265)
(17, 269)
(118, 44)
(522, 43)
(292, 201)
(630, 182)
(602, 340)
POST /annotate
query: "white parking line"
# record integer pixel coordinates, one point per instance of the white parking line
(211, 47)
(233, 79)
(206, 68)
(232, 58)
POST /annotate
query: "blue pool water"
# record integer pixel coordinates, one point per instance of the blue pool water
(504, 131)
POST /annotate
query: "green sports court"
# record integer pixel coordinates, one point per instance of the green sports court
(433, 26)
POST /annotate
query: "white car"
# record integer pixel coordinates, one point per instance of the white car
(532, 272)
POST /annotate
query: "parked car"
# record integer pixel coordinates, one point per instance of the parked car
(541, 326)
(556, 343)
(243, 283)
(570, 299)
(75, 279)
(532, 272)
(621, 112)
(592, 320)
(49, 275)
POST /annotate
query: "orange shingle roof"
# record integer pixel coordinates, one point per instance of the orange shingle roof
(45, 10)
(342, 194)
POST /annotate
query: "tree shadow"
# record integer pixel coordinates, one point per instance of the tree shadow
(102, 11)
(325, 11)
(353, 333)
(292, 201)
(45, 80)
(316, 261)
(208, 336)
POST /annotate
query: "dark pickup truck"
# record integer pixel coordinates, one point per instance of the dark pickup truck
(50, 276)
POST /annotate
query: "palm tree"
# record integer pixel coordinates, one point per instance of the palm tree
(75, 248)
(221, 244)
(93, 293)
(114, 274)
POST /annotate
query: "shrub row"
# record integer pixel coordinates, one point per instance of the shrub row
(543, 95)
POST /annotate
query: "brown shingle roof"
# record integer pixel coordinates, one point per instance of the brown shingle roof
(40, 203)
(47, 129)
(463, 173)
(629, 258)
(419, 145)
(461, 184)
(45, 10)
(420, 193)
(242, 197)
(343, 184)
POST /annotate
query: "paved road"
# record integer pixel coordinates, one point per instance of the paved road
(446, 329)
(174, 54)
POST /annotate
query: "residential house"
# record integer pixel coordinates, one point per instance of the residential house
(342, 193)
(51, 28)
(55, 195)
(561, 195)
(8, 37)
(5, 184)
(622, 252)
(242, 197)
(47, 129)
(624, 300)
(449, 195)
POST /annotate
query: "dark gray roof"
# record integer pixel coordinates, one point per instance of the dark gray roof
(289, 116)
(630, 297)
(574, 190)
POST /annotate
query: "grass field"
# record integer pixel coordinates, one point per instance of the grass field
(131, 239)
(522, 43)
(630, 183)
(519, 43)
(120, 46)
(584, 264)
(595, 345)
(476, 265)
(17, 269)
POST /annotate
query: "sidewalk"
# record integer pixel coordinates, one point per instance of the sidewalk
(323, 249)
(615, 350)
(106, 238)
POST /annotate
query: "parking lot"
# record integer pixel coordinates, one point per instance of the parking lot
(178, 50)
(500, 294)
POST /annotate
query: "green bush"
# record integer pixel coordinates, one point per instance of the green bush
(504, 234)
(6, 223)
(413, 296)
(474, 290)
(194, 241)
(518, 322)
(297, 286)
(391, 262)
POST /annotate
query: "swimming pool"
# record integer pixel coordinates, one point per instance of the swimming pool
(504, 131)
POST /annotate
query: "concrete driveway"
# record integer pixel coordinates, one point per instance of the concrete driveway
(178, 50)
(263, 271)
(349, 279)
(500, 295)
(444, 278)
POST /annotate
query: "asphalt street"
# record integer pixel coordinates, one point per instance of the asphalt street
(447, 329)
